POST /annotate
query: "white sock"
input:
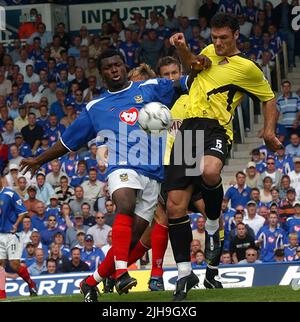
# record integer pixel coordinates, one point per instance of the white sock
(184, 269)
(211, 226)
(97, 277)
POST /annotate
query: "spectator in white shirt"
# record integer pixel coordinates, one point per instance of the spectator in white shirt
(100, 230)
(252, 219)
(30, 76)
(295, 177)
(27, 230)
(33, 99)
(24, 61)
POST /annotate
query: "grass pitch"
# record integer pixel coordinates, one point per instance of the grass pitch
(253, 294)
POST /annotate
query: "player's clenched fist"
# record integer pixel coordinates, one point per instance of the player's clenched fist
(201, 62)
(178, 40)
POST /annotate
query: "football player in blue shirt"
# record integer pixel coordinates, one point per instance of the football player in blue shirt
(270, 237)
(114, 112)
(12, 211)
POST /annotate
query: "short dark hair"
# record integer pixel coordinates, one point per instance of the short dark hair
(109, 53)
(85, 204)
(285, 81)
(221, 20)
(166, 61)
(255, 189)
(240, 172)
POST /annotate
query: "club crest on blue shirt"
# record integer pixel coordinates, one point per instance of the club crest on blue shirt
(1, 202)
(124, 177)
(245, 194)
(139, 99)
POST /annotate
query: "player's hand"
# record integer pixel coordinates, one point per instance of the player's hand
(178, 40)
(102, 156)
(201, 62)
(29, 164)
(272, 142)
(14, 229)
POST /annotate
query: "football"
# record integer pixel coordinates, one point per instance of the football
(154, 117)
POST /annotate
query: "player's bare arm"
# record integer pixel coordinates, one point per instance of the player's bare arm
(17, 223)
(187, 58)
(270, 118)
(33, 164)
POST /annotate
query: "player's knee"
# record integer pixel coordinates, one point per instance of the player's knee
(126, 209)
(211, 174)
(15, 265)
(175, 209)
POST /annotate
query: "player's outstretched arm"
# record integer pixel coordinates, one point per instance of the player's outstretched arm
(33, 164)
(270, 119)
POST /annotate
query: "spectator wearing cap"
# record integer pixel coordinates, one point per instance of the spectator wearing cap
(11, 179)
(293, 149)
(100, 230)
(21, 188)
(54, 130)
(293, 223)
(71, 234)
(238, 194)
(75, 264)
(252, 218)
(90, 254)
(47, 235)
(24, 148)
(258, 160)
(271, 172)
(31, 200)
(295, 176)
(290, 247)
(53, 178)
(151, 49)
(44, 189)
(9, 132)
(26, 231)
(252, 175)
(28, 257)
(32, 133)
(53, 208)
(64, 192)
(93, 188)
(286, 208)
(283, 162)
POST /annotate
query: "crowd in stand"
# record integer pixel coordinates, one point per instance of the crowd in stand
(46, 82)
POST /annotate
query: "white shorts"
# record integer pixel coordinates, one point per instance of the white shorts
(10, 246)
(148, 190)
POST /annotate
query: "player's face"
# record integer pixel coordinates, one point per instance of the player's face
(171, 72)
(114, 73)
(224, 41)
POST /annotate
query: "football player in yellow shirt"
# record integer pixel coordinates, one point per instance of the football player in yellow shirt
(213, 97)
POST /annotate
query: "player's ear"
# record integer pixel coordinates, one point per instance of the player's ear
(236, 35)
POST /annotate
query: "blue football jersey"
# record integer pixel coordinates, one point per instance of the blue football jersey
(114, 116)
(11, 207)
(293, 226)
(92, 258)
(270, 240)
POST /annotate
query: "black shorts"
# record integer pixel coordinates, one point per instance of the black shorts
(216, 143)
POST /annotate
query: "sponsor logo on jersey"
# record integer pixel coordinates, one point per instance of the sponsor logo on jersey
(130, 116)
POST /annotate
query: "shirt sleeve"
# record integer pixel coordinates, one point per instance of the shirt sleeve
(18, 205)
(79, 132)
(255, 84)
